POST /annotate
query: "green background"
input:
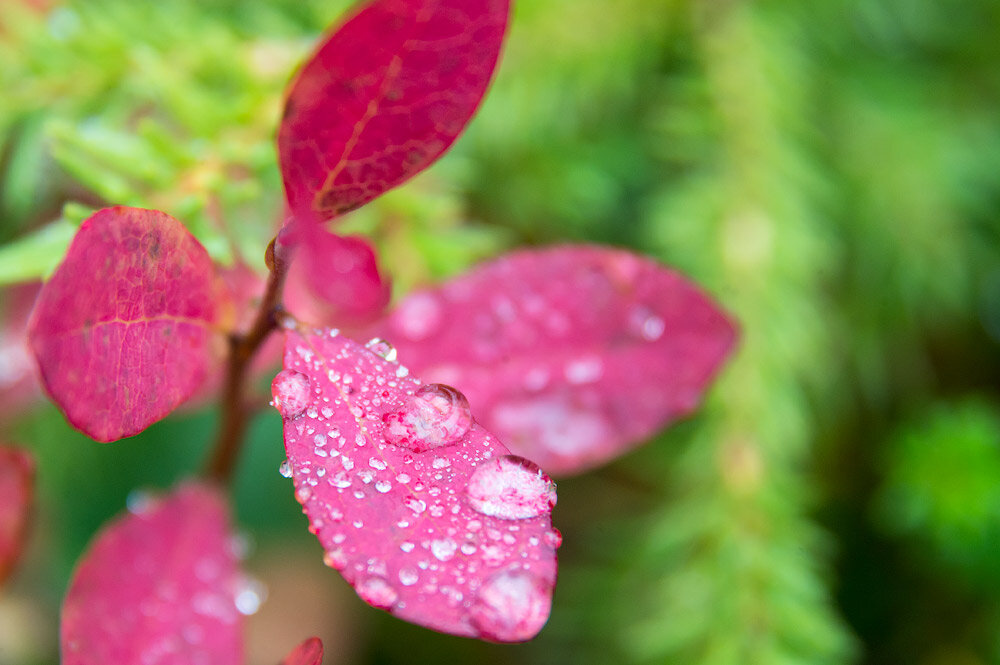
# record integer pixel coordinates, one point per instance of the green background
(830, 171)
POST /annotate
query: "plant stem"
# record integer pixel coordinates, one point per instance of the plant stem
(235, 408)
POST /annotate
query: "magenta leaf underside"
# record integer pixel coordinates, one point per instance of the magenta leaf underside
(333, 279)
(356, 126)
(572, 355)
(127, 327)
(422, 511)
(310, 652)
(158, 585)
(17, 472)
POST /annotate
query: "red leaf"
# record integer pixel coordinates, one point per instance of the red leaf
(17, 472)
(309, 652)
(334, 279)
(157, 586)
(570, 355)
(130, 322)
(423, 511)
(383, 97)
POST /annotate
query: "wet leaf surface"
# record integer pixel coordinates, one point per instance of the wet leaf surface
(157, 585)
(422, 510)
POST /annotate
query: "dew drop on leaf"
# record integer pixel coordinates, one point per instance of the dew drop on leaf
(382, 349)
(511, 488)
(511, 606)
(377, 592)
(436, 415)
(290, 390)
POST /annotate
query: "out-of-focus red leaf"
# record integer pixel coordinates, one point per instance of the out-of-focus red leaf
(309, 652)
(17, 474)
(572, 355)
(383, 97)
(130, 322)
(422, 511)
(334, 279)
(157, 586)
(18, 380)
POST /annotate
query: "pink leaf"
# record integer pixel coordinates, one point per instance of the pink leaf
(17, 472)
(334, 279)
(309, 652)
(157, 586)
(130, 322)
(572, 355)
(423, 511)
(383, 97)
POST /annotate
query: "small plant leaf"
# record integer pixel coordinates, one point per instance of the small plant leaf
(334, 279)
(383, 97)
(17, 474)
(572, 355)
(309, 652)
(157, 585)
(130, 322)
(422, 511)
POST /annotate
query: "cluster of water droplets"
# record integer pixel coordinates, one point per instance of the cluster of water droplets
(452, 527)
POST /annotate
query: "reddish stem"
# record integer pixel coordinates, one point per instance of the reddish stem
(235, 407)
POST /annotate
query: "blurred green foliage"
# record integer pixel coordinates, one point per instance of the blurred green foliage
(830, 171)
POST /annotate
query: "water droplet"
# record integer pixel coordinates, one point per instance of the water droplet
(644, 323)
(584, 370)
(406, 546)
(511, 488)
(511, 606)
(383, 486)
(335, 559)
(416, 505)
(436, 415)
(303, 493)
(290, 390)
(408, 576)
(376, 463)
(377, 592)
(285, 469)
(382, 349)
(553, 539)
(250, 596)
(443, 550)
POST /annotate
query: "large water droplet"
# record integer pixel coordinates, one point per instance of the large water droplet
(285, 469)
(644, 323)
(511, 488)
(511, 606)
(436, 415)
(377, 592)
(381, 348)
(250, 595)
(290, 390)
